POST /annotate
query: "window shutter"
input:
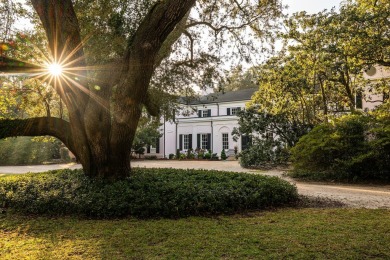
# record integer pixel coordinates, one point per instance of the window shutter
(228, 111)
(180, 142)
(359, 100)
(190, 141)
(209, 113)
(199, 113)
(198, 141)
(157, 145)
(208, 141)
(148, 148)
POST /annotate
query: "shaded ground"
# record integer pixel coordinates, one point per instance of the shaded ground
(355, 196)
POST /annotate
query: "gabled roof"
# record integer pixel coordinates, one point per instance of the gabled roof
(220, 97)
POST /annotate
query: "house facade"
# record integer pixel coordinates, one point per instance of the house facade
(206, 123)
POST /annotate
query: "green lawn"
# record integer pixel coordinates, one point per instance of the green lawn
(288, 233)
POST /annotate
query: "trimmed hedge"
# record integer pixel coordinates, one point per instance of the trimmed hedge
(148, 193)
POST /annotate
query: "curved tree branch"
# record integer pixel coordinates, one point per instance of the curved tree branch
(38, 126)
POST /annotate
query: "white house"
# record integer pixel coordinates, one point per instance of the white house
(206, 123)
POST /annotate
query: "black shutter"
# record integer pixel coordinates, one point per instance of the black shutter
(228, 111)
(189, 141)
(208, 141)
(148, 148)
(180, 142)
(209, 113)
(157, 145)
(359, 100)
(199, 113)
(244, 142)
(198, 141)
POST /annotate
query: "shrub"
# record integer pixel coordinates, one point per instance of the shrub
(223, 155)
(148, 193)
(352, 148)
(150, 157)
(171, 156)
(264, 153)
(207, 156)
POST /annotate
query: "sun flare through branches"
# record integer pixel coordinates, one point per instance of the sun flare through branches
(55, 69)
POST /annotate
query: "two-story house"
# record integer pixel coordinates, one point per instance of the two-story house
(206, 123)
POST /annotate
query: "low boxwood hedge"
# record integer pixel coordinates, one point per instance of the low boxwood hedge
(148, 193)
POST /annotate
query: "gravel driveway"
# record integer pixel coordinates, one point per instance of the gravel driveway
(356, 196)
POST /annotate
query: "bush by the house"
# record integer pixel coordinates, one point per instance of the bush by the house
(223, 155)
(352, 148)
(263, 154)
(148, 193)
(171, 156)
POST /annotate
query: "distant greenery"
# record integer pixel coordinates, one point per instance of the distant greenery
(264, 154)
(25, 150)
(282, 234)
(148, 193)
(351, 148)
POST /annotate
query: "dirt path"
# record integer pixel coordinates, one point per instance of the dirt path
(356, 196)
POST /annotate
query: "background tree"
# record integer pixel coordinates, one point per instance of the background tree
(106, 75)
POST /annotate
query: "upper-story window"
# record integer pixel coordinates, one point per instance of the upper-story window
(204, 113)
(233, 111)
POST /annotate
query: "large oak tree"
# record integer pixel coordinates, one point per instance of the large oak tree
(106, 79)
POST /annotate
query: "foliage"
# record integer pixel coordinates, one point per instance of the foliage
(223, 155)
(149, 193)
(239, 79)
(147, 134)
(256, 122)
(25, 151)
(264, 150)
(264, 153)
(352, 148)
(171, 156)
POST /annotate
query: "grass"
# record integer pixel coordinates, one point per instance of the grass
(287, 233)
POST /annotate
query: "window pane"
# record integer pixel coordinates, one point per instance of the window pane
(186, 141)
(204, 141)
(225, 141)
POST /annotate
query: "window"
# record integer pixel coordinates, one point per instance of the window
(233, 111)
(204, 141)
(186, 142)
(225, 141)
(246, 142)
(269, 136)
(204, 113)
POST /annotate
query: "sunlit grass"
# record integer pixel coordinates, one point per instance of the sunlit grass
(289, 233)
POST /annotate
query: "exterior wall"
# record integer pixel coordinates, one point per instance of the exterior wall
(188, 122)
(375, 73)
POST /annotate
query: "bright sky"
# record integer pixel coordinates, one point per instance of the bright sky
(310, 6)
